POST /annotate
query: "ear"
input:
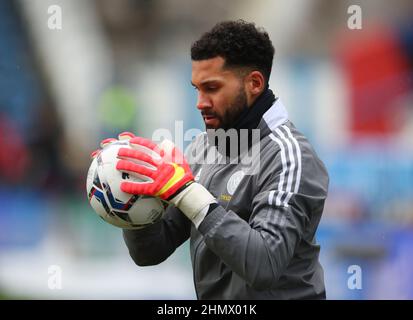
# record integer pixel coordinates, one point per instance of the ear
(254, 85)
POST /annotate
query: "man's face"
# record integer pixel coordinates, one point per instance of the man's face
(221, 93)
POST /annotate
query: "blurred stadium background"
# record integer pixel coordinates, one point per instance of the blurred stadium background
(125, 65)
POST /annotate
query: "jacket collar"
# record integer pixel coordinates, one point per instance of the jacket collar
(275, 116)
(265, 114)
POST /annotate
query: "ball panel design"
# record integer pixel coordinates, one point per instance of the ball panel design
(112, 204)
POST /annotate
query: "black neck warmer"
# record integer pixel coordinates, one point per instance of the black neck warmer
(248, 120)
(251, 117)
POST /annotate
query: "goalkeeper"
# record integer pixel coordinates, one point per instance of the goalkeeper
(252, 232)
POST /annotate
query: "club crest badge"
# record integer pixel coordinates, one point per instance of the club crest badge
(198, 175)
(234, 181)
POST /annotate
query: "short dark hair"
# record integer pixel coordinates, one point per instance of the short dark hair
(240, 43)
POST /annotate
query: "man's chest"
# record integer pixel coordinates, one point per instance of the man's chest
(229, 183)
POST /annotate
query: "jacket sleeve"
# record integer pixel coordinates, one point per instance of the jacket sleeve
(259, 250)
(154, 244)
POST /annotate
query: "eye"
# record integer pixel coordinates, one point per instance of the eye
(211, 89)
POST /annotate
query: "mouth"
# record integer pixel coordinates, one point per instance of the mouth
(210, 119)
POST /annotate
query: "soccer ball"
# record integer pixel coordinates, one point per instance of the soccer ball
(114, 206)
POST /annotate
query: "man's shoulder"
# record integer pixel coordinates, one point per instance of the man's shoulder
(289, 157)
(286, 147)
(285, 138)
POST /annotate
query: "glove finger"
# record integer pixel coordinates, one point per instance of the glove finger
(171, 152)
(166, 147)
(95, 153)
(146, 146)
(137, 188)
(126, 135)
(178, 157)
(144, 142)
(132, 154)
(107, 141)
(133, 168)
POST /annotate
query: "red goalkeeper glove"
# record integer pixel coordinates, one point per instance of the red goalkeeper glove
(105, 142)
(165, 174)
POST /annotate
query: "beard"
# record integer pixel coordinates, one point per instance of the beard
(232, 112)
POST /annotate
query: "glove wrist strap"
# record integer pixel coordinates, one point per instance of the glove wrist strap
(193, 199)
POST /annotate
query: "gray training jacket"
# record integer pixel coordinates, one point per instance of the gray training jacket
(259, 243)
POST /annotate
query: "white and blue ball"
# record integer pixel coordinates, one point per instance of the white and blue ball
(114, 206)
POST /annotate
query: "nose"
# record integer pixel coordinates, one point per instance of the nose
(203, 102)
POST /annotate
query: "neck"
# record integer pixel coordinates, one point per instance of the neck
(250, 117)
(247, 122)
